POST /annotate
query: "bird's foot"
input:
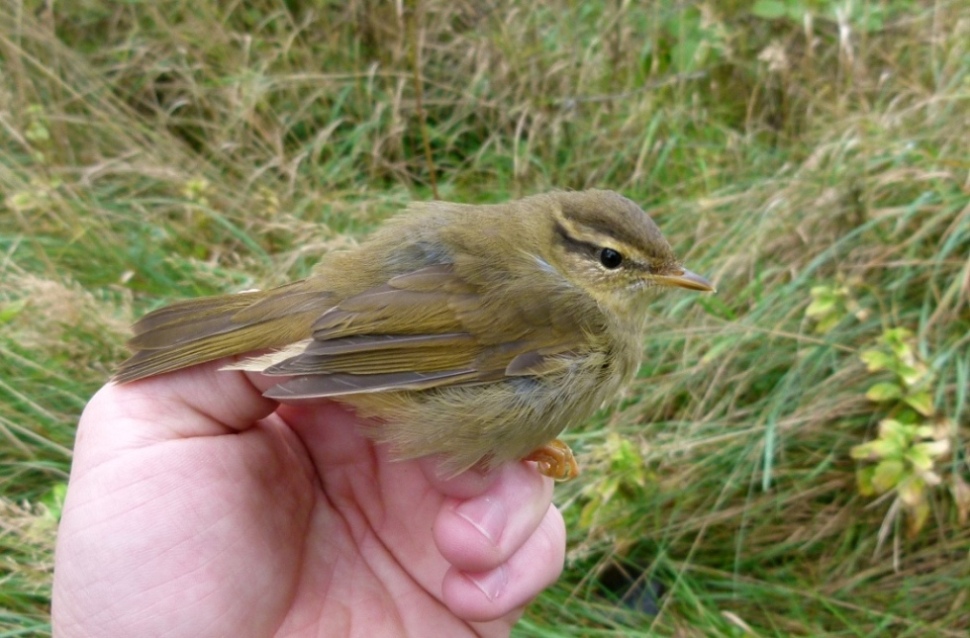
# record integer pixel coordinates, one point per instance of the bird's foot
(555, 460)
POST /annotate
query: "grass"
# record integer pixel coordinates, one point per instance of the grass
(810, 156)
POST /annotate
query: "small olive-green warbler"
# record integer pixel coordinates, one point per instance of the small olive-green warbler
(476, 333)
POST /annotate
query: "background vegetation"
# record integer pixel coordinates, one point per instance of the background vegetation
(794, 457)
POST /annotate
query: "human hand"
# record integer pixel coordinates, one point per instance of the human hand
(198, 507)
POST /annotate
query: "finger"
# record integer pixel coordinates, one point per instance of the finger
(198, 401)
(468, 484)
(485, 596)
(478, 534)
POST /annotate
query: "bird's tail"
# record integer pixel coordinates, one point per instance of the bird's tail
(200, 330)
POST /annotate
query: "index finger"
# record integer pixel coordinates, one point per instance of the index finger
(199, 401)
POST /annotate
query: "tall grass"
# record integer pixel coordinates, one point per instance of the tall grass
(795, 151)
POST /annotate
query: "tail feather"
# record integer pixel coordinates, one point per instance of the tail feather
(196, 331)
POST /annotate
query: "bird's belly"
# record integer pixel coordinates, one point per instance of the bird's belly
(491, 422)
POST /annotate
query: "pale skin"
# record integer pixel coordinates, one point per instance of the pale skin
(197, 507)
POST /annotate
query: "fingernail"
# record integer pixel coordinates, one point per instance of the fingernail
(486, 514)
(491, 583)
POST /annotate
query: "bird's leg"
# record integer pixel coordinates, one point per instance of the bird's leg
(555, 460)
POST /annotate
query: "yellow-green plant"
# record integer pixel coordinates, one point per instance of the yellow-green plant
(624, 479)
(912, 377)
(905, 458)
(830, 303)
(913, 440)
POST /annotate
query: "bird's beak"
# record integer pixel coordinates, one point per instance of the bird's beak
(685, 279)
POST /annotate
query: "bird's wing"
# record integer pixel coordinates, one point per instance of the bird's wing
(425, 329)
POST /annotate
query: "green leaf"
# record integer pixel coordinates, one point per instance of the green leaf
(900, 434)
(824, 300)
(825, 325)
(863, 478)
(884, 391)
(878, 449)
(624, 456)
(820, 291)
(888, 474)
(820, 307)
(9, 311)
(769, 9)
(908, 416)
(54, 499)
(896, 339)
(876, 360)
(911, 374)
(863, 452)
(37, 132)
(921, 402)
(902, 351)
(919, 457)
(588, 514)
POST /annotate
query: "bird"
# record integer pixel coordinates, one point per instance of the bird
(472, 333)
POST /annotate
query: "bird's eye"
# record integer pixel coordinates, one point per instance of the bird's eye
(610, 258)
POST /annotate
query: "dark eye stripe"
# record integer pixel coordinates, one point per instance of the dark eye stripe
(609, 258)
(575, 245)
